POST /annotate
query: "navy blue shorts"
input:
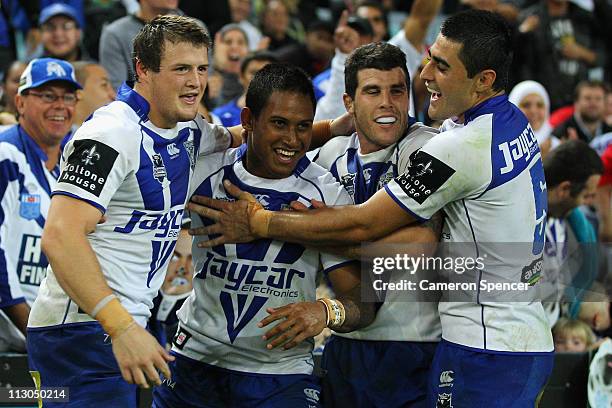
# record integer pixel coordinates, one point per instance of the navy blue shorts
(462, 377)
(196, 384)
(361, 373)
(79, 356)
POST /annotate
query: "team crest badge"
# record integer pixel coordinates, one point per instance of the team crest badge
(55, 69)
(159, 170)
(29, 206)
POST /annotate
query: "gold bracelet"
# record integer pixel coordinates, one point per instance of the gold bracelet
(336, 314)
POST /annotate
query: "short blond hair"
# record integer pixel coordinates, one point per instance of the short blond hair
(573, 327)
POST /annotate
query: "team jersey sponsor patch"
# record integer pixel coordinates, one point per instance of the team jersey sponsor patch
(181, 338)
(424, 176)
(29, 206)
(89, 165)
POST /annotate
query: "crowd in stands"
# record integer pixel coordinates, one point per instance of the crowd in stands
(560, 79)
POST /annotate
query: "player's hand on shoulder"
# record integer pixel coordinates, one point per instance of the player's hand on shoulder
(298, 322)
(140, 357)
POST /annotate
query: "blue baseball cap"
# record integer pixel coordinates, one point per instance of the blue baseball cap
(42, 70)
(58, 9)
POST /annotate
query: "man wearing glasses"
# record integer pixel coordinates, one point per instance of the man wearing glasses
(29, 168)
(61, 33)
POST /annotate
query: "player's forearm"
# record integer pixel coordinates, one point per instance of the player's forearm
(330, 225)
(358, 314)
(75, 266)
(415, 241)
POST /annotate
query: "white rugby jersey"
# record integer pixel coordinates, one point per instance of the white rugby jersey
(25, 190)
(234, 284)
(138, 176)
(362, 175)
(488, 178)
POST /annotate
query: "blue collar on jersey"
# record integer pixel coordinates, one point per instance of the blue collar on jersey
(32, 150)
(30, 145)
(492, 105)
(134, 100)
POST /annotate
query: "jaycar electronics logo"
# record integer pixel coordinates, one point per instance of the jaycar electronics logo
(89, 165)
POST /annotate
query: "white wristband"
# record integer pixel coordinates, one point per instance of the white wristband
(101, 304)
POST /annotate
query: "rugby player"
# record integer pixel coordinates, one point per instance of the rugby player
(131, 164)
(485, 172)
(245, 334)
(386, 363)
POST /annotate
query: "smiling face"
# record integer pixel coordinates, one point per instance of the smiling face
(446, 78)
(380, 107)
(47, 123)
(174, 93)
(534, 107)
(280, 136)
(60, 37)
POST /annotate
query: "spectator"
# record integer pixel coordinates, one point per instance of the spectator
(572, 336)
(275, 24)
(116, 40)
(225, 12)
(374, 12)
(604, 197)
(230, 112)
(563, 43)
(29, 168)
(97, 90)
(572, 172)
(61, 33)
(231, 46)
(594, 309)
(532, 99)
(351, 33)
(177, 286)
(98, 14)
(240, 11)
(588, 121)
(609, 108)
(8, 110)
(315, 55)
